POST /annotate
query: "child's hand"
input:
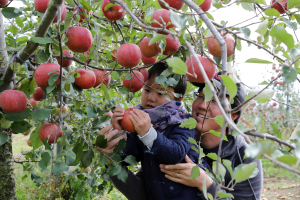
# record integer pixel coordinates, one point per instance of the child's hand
(117, 116)
(141, 121)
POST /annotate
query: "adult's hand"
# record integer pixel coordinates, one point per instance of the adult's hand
(181, 173)
(116, 117)
(110, 143)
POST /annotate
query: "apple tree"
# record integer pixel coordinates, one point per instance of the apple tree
(75, 60)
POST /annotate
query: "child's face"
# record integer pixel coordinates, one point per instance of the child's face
(155, 95)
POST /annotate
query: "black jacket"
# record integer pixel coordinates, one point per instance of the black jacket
(234, 150)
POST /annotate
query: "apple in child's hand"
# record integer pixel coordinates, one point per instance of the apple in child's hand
(126, 122)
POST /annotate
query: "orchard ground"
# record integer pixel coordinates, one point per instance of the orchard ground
(278, 182)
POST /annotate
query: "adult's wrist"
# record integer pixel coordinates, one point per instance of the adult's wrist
(208, 182)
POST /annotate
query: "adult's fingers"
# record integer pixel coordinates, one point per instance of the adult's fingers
(105, 130)
(115, 141)
(188, 160)
(179, 166)
(177, 180)
(111, 134)
(105, 151)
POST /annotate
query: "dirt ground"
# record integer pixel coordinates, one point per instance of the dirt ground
(280, 188)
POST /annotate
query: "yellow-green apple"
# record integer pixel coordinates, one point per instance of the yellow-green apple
(3, 3)
(215, 49)
(33, 102)
(135, 83)
(39, 95)
(278, 7)
(12, 101)
(112, 13)
(148, 61)
(49, 129)
(87, 170)
(42, 75)
(66, 62)
(148, 50)
(126, 122)
(101, 77)
(177, 4)
(86, 80)
(172, 45)
(205, 6)
(145, 73)
(165, 15)
(80, 39)
(128, 55)
(209, 68)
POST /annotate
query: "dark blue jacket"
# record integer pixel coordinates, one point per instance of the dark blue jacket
(169, 148)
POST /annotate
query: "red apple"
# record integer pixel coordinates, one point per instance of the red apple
(272, 77)
(274, 103)
(165, 15)
(148, 61)
(33, 102)
(63, 11)
(113, 13)
(279, 129)
(145, 73)
(41, 75)
(50, 129)
(247, 109)
(66, 62)
(3, 3)
(280, 82)
(243, 119)
(12, 101)
(39, 95)
(80, 39)
(177, 4)
(126, 122)
(29, 143)
(146, 49)
(282, 115)
(293, 129)
(86, 80)
(277, 70)
(278, 7)
(251, 108)
(101, 76)
(215, 49)
(208, 66)
(135, 83)
(172, 45)
(81, 12)
(41, 5)
(205, 6)
(275, 118)
(265, 114)
(273, 67)
(254, 103)
(128, 55)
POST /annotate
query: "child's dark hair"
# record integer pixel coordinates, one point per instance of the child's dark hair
(158, 68)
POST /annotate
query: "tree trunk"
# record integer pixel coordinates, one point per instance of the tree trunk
(7, 176)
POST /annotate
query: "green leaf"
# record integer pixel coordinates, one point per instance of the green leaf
(178, 21)
(100, 123)
(248, 6)
(265, 96)
(42, 57)
(79, 114)
(204, 188)
(292, 25)
(18, 116)
(230, 85)
(246, 32)
(220, 120)
(91, 112)
(124, 90)
(195, 172)
(221, 170)
(41, 40)
(122, 175)
(258, 61)
(178, 66)
(131, 160)
(290, 160)
(272, 12)
(45, 159)
(292, 3)
(289, 74)
(109, 6)
(222, 194)
(120, 146)
(212, 156)
(114, 169)
(87, 158)
(28, 87)
(189, 123)
(156, 38)
(282, 35)
(3, 138)
(218, 134)
(115, 75)
(20, 126)
(297, 16)
(228, 165)
(244, 172)
(193, 141)
(52, 79)
(208, 95)
(35, 140)
(263, 27)
(105, 91)
(86, 5)
(11, 12)
(5, 123)
(276, 131)
(60, 168)
(101, 141)
(41, 113)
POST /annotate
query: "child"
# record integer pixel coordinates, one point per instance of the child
(158, 138)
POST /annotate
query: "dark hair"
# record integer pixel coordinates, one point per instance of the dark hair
(159, 67)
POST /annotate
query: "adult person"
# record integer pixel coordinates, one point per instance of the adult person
(233, 150)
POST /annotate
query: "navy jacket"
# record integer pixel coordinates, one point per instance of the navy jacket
(169, 148)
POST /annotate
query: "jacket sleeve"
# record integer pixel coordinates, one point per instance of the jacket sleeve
(173, 149)
(133, 147)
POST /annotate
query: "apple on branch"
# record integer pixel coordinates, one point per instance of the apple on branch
(172, 45)
(39, 95)
(205, 6)
(42, 75)
(86, 80)
(66, 62)
(112, 12)
(176, 4)
(148, 50)
(101, 77)
(12, 101)
(148, 61)
(214, 47)
(165, 15)
(3, 3)
(80, 39)
(49, 129)
(279, 7)
(135, 83)
(128, 55)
